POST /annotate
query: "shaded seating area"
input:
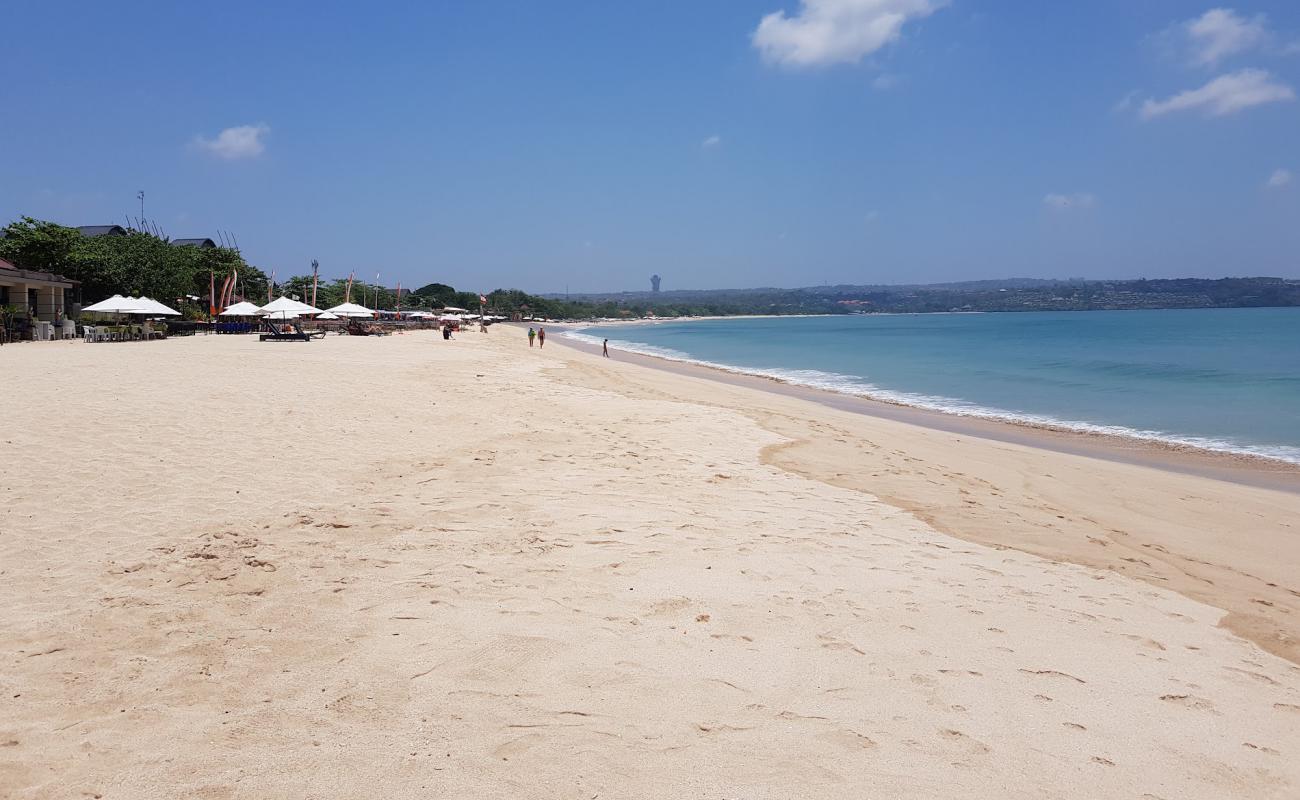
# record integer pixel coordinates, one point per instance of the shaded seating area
(277, 325)
(121, 333)
(117, 331)
(239, 318)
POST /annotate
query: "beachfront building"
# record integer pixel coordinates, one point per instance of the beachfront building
(36, 295)
(43, 293)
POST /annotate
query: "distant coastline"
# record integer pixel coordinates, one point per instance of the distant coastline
(1025, 294)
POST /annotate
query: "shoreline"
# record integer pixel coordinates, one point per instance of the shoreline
(1210, 528)
(1248, 469)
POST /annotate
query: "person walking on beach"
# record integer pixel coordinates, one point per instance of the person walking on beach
(604, 349)
(532, 334)
(541, 337)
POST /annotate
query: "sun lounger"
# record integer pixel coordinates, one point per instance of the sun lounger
(272, 333)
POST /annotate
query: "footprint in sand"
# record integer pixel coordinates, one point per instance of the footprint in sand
(974, 745)
(1189, 701)
(847, 739)
(670, 606)
(515, 747)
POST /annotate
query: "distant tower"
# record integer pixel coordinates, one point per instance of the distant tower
(654, 283)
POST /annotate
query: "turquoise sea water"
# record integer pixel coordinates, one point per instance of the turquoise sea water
(1222, 379)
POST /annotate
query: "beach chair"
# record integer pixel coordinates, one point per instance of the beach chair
(272, 333)
(69, 329)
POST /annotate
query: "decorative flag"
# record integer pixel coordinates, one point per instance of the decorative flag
(229, 294)
(347, 293)
(220, 299)
(212, 293)
(482, 299)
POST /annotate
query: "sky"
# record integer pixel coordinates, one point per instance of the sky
(583, 146)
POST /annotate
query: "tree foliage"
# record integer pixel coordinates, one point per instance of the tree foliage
(135, 264)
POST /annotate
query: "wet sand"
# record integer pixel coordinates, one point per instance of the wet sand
(1237, 468)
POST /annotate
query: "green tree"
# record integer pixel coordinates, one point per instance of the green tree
(37, 245)
(135, 264)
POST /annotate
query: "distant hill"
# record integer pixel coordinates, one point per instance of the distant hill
(1012, 294)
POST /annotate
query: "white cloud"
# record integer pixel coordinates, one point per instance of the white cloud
(1226, 94)
(885, 82)
(241, 141)
(1062, 202)
(1126, 102)
(712, 141)
(1279, 178)
(1221, 32)
(836, 31)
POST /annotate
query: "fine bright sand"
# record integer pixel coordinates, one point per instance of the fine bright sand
(409, 568)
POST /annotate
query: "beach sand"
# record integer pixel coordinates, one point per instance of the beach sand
(403, 568)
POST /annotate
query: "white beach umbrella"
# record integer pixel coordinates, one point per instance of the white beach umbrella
(284, 308)
(244, 309)
(453, 308)
(350, 310)
(117, 304)
(327, 315)
(153, 308)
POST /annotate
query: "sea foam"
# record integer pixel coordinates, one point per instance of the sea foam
(850, 385)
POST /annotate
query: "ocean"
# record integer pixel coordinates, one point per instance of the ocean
(1219, 379)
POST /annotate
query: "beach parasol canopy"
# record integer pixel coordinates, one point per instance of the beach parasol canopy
(453, 308)
(350, 310)
(284, 308)
(327, 315)
(152, 308)
(244, 309)
(117, 304)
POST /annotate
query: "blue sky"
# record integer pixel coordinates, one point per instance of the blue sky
(721, 144)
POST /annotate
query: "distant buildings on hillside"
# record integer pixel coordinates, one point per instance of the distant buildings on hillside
(654, 283)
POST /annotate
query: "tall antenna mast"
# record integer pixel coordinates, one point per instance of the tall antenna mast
(140, 194)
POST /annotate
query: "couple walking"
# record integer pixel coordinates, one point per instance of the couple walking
(539, 335)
